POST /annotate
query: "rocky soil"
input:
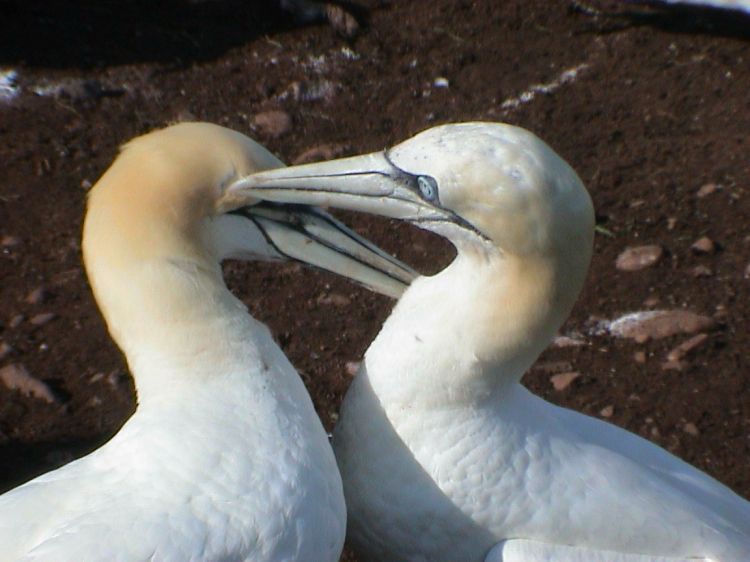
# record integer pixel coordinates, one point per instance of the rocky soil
(649, 105)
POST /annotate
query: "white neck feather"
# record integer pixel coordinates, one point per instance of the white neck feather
(462, 336)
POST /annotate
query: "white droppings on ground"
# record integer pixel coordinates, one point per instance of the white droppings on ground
(348, 54)
(9, 87)
(575, 340)
(565, 77)
(654, 324)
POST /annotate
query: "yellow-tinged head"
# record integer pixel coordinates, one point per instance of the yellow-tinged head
(519, 215)
(161, 218)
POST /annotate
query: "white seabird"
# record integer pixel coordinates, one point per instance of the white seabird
(225, 457)
(444, 455)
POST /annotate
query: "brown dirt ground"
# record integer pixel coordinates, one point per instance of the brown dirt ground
(660, 108)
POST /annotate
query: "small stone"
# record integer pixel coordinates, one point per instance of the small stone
(37, 296)
(567, 341)
(96, 377)
(274, 123)
(441, 82)
(747, 271)
(676, 354)
(16, 377)
(691, 429)
(352, 367)
(319, 153)
(9, 241)
(706, 190)
(42, 318)
(639, 257)
(342, 21)
(5, 350)
(639, 357)
(651, 301)
(334, 299)
(607, 411)
(671, 223)
(563, 380)
(701, 271)
(657, 324)
(86, 184)
(704, 245)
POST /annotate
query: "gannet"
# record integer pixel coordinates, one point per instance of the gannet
(444, 455)
(225, 457)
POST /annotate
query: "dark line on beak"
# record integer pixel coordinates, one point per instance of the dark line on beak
(299, 227)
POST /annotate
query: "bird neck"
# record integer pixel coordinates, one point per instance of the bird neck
(175, 321)
(465, 334)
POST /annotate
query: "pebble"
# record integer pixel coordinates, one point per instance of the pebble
(562, 381)
(677, 354)
(747, 271)
(706, 190)
(651, 301)
(639, 257)
(567, 341)
(671, 223)
(639, 357)
(657, 324)
(701, 271)
(8, 241)
(352, 367)
(37, 296)
(16, 377)
(607, 411)
(42, 318)
(704, 245)
(5, 350)
(691, 429)
(320, 153)
(342, 21)
(441, 82)
(274, 123)
(334, 299)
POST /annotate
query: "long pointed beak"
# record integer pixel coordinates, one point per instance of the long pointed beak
(312, 236)
(369, 183)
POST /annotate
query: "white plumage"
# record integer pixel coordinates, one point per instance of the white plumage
(444, 455)
(225, 457)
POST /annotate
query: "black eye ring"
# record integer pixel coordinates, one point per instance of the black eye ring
(428, 187)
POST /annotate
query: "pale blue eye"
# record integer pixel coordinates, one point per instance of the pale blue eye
(427, 187)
